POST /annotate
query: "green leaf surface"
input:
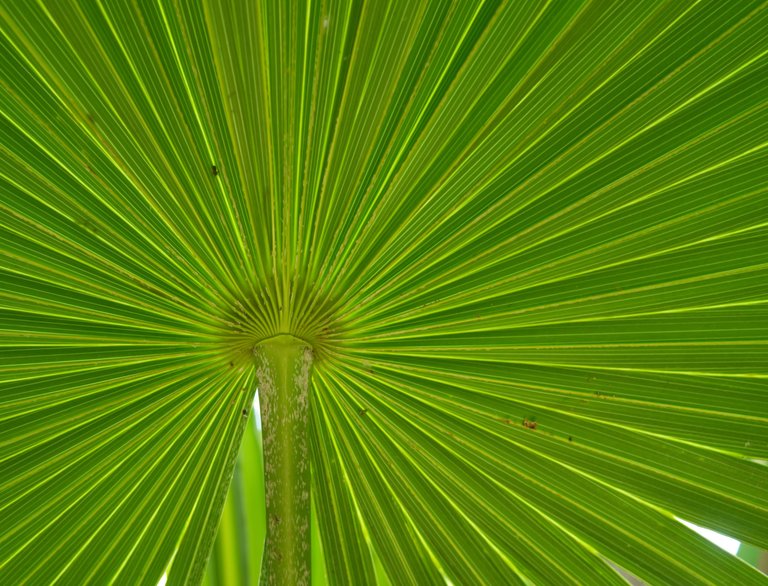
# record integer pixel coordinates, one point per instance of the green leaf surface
(527, 242)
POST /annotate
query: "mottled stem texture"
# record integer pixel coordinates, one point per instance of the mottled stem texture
(284, 365)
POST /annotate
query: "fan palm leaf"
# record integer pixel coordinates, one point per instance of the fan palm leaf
(526, 242)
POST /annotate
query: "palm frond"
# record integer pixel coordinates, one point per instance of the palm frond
(528, 243)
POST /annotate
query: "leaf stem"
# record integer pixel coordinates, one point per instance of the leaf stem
(284, 365)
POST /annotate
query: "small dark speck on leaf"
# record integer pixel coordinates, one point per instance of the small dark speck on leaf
(231, 364)
(245, 411)
(570, 439)
(530, 424)
(215, 170)
(363, 411)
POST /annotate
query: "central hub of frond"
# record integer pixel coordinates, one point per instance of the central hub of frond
(266, 317)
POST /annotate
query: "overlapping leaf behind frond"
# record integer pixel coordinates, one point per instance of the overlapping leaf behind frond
(527, 240)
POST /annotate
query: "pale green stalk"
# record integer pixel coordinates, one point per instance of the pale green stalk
(283, 368)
